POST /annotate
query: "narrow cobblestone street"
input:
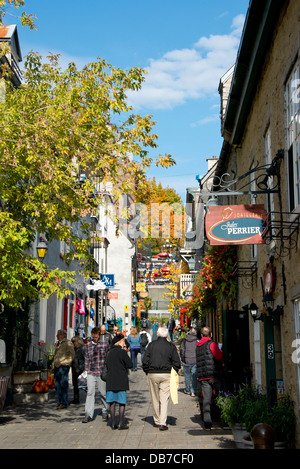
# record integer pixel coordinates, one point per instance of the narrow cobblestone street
(44, 427)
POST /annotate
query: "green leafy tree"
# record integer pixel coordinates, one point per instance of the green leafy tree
(59, 125)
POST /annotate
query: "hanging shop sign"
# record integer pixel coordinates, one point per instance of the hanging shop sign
(235, 224)
(112, 296)
(140, 287)
(108, 280)
(269, 279)
(186, 285)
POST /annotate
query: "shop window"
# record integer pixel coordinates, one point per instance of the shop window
(292, 101)
(296, 343)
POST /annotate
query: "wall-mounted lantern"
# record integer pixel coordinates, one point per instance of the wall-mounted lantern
(253, 310)
(268, 302)
(41, 249)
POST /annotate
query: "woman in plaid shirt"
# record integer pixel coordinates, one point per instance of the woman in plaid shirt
(95, 354)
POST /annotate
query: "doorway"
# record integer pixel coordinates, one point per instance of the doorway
(236, 349)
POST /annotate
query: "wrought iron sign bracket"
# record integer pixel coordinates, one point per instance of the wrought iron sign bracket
(247, 271)
(267, 180)
(259, 180)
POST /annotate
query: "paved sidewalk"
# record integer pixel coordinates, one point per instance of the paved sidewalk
(44, 427)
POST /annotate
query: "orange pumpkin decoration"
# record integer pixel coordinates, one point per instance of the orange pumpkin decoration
(40, 385)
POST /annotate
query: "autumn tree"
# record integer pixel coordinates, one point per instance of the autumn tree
(172, 294)
(58, 126)
(161, 213)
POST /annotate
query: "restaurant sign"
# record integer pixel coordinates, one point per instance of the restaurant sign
(235, 224)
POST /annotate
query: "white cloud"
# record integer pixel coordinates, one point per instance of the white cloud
(181, 75)
(206, 120)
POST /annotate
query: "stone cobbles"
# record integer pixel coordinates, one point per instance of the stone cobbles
(42, 426)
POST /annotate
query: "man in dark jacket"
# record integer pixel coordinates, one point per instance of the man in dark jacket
(159, 358)
(209, 370)
(188, 358)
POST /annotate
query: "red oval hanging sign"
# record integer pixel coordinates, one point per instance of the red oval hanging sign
(235, 224)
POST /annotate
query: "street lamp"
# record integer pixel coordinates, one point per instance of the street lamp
(192, 264)
(253, 309)
(42, 249)
(268, 302)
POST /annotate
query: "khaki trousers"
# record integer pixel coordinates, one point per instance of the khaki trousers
(159, 386)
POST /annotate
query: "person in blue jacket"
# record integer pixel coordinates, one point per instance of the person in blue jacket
(134, 346)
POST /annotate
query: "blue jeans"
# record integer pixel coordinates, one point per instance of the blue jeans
(61, 376)
(190, 376)
(133, 355)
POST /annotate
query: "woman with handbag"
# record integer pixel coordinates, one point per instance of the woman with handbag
(117, 382)
(134, 341)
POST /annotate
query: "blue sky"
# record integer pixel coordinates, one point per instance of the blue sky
(186, 47)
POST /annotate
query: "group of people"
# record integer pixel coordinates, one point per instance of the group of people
(201, 361)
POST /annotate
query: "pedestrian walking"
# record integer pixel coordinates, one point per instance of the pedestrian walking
(171, 327)
(155, 329)
(134, 346)
(77, 365)
(117, 382)
(160, 357)
(95, 354)
(145, 339)
(63, 358)
(105, 335)
(117, 331)
(188, 358)
(209, 371)
(154, 326)
(144, 323)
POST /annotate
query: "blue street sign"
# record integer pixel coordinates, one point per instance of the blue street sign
(108, 280)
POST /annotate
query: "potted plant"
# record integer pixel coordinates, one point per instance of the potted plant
(50, 355)
(280, 416)
(283, 419)
(256, 410)
(233, 408)
(248, 407)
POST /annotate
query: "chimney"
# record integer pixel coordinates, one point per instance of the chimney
(211, 162)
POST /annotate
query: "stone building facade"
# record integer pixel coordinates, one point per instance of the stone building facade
(260, 128)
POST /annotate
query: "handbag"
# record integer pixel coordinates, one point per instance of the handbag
(104, 372)
(82, 380)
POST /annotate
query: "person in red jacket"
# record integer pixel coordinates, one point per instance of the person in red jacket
(209, 361)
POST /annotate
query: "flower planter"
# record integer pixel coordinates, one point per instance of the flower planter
(239, 433)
